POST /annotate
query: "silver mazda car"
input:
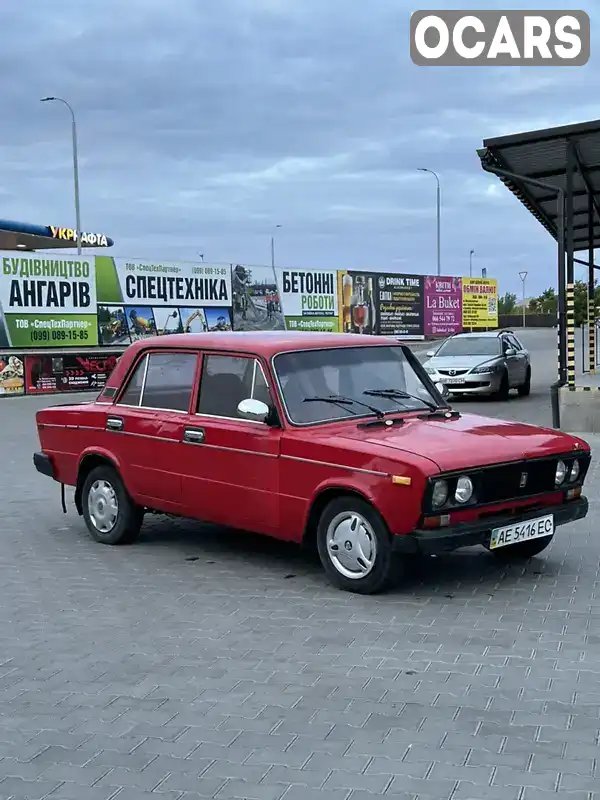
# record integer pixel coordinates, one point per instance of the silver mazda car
(490, 363)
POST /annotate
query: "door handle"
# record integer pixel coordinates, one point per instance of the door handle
(114, 424)
(193, 435)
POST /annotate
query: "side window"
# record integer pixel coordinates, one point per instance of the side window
(260, 390)
(169, 381)
(226, 381)
(132, 394)
(506, 345)
(514, 342)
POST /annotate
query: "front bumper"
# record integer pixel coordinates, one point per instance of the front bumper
(487, 383)
(469, 534)
(43, 464)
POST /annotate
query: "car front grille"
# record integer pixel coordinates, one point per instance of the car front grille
(452, 372)
(517, 480)
(526, 478)
(513, 481)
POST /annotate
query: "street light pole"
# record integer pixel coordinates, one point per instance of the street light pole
(438, 215)
(75, 165)
(273, 250)
(523, 276)
(471, 254)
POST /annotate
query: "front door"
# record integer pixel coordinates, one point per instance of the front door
(229, 465)
(145, 426)
(512, 363)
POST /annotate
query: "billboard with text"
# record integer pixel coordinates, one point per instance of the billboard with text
(138, 298)
(47, 300)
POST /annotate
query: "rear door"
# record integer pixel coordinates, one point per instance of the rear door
(146, 423)
(231, 465)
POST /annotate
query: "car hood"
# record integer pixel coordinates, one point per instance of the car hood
(469, 441)
(460, 362)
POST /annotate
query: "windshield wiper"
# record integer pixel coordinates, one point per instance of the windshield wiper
(399, 394)
(344, 402)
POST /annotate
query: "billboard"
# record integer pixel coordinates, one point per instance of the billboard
(138, 299)
(75, 302)
(47, 301)
(442, 306)
(400, 305)
(69, 372)
(358, 302)
(255, 299)
(12, 379)
(309, 299)
(479, 303)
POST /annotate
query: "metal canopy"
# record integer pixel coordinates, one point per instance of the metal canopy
(550, 156)
(25, 236)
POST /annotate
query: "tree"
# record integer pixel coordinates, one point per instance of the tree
(581, 303)
(507, 303)
(547, 302)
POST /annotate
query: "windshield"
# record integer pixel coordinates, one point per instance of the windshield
(348, 372)
(470, 346)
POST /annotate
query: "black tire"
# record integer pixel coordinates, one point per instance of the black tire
(106, 482)
(379, 576)
(522, 551)
(503, 391)
(525, 389)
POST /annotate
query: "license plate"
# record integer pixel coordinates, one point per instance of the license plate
(454, 381)
(522, 531)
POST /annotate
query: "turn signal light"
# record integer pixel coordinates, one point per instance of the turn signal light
(573, 493)
(437, 522)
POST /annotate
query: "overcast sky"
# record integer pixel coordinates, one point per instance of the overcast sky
(203, 124)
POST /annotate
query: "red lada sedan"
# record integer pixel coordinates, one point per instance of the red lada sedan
(335, 440)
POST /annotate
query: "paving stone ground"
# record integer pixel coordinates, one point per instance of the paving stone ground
(205, 664)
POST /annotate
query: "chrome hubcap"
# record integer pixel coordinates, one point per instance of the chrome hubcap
(351, 545)
(103, 506)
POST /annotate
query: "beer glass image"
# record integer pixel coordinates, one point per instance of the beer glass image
(347, 303)
(360, 314)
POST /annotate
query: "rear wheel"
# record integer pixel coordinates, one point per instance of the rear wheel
(355, 546)
(523, 550)
(110, 514)
(525, 389)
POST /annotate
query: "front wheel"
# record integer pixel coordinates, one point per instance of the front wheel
(110, 514)
(503, 391)
(522, 551)
(525, 389)
(355, 546)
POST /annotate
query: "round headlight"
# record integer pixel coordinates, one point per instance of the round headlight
(464, 490)
(440, 494)
(561, 473)
(575, 469)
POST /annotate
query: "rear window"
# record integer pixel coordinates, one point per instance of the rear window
(470, 346)
(163, 381)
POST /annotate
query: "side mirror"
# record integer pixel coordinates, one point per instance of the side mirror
(510, 352)
(442, 389)
(430, 353)
(254, 410)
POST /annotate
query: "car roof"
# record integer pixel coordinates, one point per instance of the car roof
(490, 334)
(263, 343)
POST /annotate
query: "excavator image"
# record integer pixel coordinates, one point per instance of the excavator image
(171, 315)
(141, 326)
(221, 324)
(198, 314)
